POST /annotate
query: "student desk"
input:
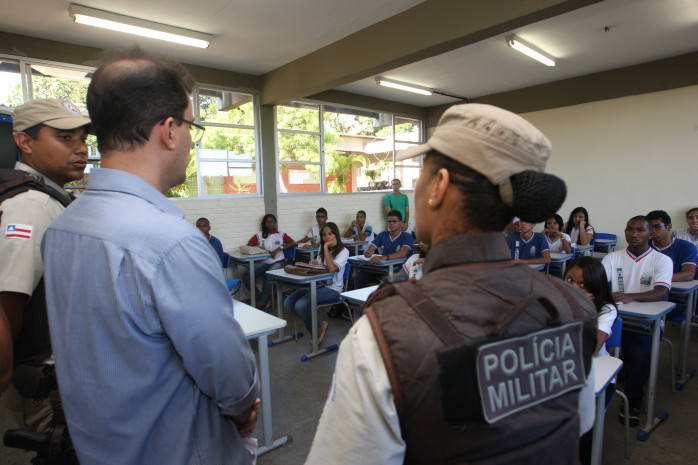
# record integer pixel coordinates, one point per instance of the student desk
(560, 259)
(238, 258)
(609, 245)
(653, 313)
(580, 249)
(536, 266)
(352, 244)
(309, 253)
(685, 290)
(258, 325)
(378, 267)
(605, 369)
(280, 279)
(358, 296)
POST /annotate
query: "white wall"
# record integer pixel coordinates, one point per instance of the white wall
(626, 156)
(234, 221)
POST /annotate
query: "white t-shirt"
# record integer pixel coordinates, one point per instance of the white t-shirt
(367, 225)
(631, 274)
(604, 322)
(337, 283)
(314, 234)
(574, 234)
(685, 234)
(271, 242)
(556, 245)
(412, 270)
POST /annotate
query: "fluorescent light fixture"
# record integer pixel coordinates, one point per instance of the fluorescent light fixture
(403, 86)
(116, 22)
(530, 51)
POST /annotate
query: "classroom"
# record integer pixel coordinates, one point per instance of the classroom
(302, 125)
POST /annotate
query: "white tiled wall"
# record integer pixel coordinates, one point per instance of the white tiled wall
(234, 221)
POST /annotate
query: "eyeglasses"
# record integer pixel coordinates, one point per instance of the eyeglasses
(320, 216)
(195, 130)
(658, 226)
(393, 221)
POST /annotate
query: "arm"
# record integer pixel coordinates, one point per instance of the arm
(361, 400)
(369, 250)
(584, 236)
(406, 223)
(544, 260)
(566, 244)
(364, 235)
(402, 253)
(657, 294)
(13, 303)
(686, 274)
(327, 256)
(350, 229)
(5, 351)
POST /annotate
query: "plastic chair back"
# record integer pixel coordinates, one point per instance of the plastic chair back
(614, 340)
(290, 254)
(234, 286)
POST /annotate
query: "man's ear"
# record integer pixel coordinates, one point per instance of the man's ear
(24, 142)
(165, 132)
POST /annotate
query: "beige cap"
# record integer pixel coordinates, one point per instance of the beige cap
(59, 114)
(494, 142)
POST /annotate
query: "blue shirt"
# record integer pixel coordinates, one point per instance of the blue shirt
(681, 253)
(218, 247)
(148, 355)
(534, 248)
(390, 245)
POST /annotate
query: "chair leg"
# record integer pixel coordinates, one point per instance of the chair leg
(671, 361)
(626, 407)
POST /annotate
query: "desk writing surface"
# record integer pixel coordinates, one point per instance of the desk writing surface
(649, 310)
(236, 254)
(560, 257)
(606, 368)
(359, 295)
(282, 274)
(255, 322)
(684, 286)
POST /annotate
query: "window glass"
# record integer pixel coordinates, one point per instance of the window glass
(221, 178)
(10, 83)
(298, 116)
(61, 83)
(298, 147)
(219, 106)
(299, 177)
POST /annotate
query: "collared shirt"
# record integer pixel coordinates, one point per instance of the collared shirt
(633, 274)
(272, 242)
(393, 245)
(681, 253)
(686, 235)
(24, 220)
(527, 250)
(149, 357)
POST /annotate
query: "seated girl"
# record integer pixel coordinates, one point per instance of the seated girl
(275, 242)
(333, 255)
(578, 227)
(558, 241)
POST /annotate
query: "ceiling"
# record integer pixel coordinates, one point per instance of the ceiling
(348, 43)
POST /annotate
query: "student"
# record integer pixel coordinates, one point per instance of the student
(313, 236)
(690, 233)
(359, 229)
(682, 253)
(398, 201)
(558, 241)
(396, 244)
(527, 246)
(334, 256)
(637, 274)
(587, 274)
(578, 227)
(413, 267)
(205, 227)
(275, 242)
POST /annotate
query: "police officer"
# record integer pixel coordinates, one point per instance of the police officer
(390, 395)
(50, 135)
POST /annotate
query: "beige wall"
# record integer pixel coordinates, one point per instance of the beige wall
(626, 156)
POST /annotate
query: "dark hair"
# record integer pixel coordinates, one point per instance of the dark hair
(203, 219)
(395, 213)
(595, 280)
(321, 210)
(558, 220)
(265, 232)
(335, 230)
(131, 93)
(570, 222)
(659, 215)
(689, 211)
(33, 131)
(536, 195)
(361, 211)
(641, 218)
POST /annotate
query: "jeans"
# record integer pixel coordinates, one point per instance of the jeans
(298, 303)
(261, 298)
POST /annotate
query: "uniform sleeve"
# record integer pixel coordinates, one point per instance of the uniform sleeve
(195, 309)
(368, 230)
(606, 318)
(663, 271)
(359, 414)
(378, 241)
(254, 240)
(23, 223)
(407, 240)
(286, 238)
(689, 255)
(607, 263)
(543, 244)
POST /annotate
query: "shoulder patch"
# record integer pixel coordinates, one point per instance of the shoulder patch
(19, 231)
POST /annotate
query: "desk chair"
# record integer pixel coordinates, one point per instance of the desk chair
(604, 247)
(226, 263)
(234, 286)
(613, 346)
(290, 255)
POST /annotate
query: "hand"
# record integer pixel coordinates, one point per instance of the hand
(368, 253)
(582, 224)
(620, 297)
(404, 226)
(420, 261)
(378, 258)
(313, 262)
(247, 420)
(330, 244)
(355, 224)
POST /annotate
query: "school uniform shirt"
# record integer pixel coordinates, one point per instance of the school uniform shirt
(681, 253)
(390, 245)
(556, 245)
(412, 270)
(367, 229)
(574, 234)
(271, 242)
(686, 235)
(604, 322)
(533, 248)
(630, 274)
(314, 234)
(340, 261)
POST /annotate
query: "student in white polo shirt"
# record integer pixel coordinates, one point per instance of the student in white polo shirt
(637, 274)
(690, 233)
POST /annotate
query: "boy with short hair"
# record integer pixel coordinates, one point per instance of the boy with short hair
(528, 246)
(205, 227)
(313, 236)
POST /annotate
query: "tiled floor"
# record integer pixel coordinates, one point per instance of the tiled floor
(299, 390)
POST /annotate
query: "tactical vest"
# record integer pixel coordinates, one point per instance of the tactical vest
(433, 347)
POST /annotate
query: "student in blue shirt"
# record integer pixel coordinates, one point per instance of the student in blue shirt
(205, 227)
(528, 246)
(396, 244)
(682, 253)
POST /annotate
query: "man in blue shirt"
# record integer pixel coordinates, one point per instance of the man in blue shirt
(152, 365)
(396, 244)
(528, 246)
(681, 252)
(205, 227)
